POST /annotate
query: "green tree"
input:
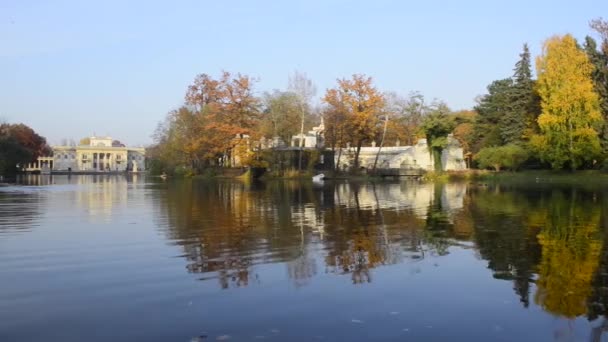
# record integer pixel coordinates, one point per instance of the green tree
(599, 75)
(524, 103)
(510, 156)
(571, 115)
(436, 126)
(282, 115)
(491, 109)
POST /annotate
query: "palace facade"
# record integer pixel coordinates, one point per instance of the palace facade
(100, 155)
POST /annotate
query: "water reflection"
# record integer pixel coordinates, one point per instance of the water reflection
(228, 228)
(541, 249)
(20, 210)
(547, 242)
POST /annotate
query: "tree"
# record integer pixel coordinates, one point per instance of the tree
(335, 129)
(524, 107)
(282, 115)
(570, 107)
(600, 26)
(600, 80)
(304, 89)
(465, 128)
(19, 144)
(227, 111)
(509, 156)
(361, 104)
(406, 116)
(491, 108)
(507, 114)
(85, 141)
(436, 126)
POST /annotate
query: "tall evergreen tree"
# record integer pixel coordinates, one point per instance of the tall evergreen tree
(491, 108)
(599, 59)
(519, 122)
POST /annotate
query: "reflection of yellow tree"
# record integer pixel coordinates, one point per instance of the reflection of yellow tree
(360, 255)
(570, 255)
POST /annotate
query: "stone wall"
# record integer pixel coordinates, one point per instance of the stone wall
(407, 157)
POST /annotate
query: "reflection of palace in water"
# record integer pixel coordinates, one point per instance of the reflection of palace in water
(99, 196)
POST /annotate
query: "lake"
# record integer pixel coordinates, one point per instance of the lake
(129, 258)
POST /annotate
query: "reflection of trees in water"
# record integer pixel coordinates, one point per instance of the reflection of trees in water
(571, 248)
(504, 237)
(20, 211)
(598, 301)
(227, 228)
(551, 234)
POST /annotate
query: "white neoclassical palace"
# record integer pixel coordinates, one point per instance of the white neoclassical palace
(100, 155)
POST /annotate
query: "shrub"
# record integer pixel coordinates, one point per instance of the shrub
(510, 156)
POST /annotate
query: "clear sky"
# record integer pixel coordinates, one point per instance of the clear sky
(72, 68)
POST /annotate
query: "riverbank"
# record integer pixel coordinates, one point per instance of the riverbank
(532, 176)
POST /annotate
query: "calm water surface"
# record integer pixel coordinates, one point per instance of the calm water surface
(111, 258)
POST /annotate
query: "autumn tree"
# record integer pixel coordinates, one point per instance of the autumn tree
(571, 114)
(464, 129)
(228, 109)
(19, 144)
(336, 135)
(362, 105)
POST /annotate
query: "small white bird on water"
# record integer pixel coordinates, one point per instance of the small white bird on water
(318, 178)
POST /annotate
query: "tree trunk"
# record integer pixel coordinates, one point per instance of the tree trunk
(381, 144)
(357, 151)
(301, 141)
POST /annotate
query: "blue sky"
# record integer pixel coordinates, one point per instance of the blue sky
(72, 68)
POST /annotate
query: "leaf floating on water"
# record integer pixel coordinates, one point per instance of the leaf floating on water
(199, 338)
(406, 329)
(358, 321)
(394, 312)
(223, 337)
(275, 331)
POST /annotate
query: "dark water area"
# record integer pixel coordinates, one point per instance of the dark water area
(115, 258)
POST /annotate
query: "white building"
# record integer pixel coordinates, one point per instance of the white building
(100, 155)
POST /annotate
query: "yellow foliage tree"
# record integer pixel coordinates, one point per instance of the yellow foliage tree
(361, 105)
(570, 116)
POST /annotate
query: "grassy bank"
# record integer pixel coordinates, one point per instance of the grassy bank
(536, 176)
